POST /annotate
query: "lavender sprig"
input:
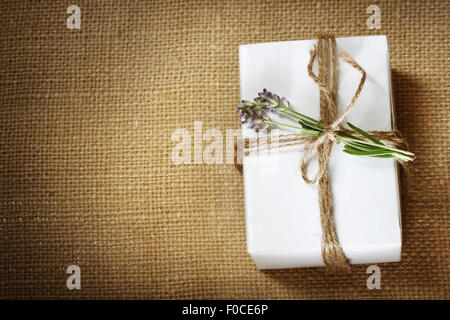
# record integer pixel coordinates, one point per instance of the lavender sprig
(256, 114)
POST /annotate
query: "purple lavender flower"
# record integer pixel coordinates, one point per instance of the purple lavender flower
(273, 100)
(256, 112)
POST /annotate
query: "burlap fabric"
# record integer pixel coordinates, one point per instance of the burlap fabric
(86, 123)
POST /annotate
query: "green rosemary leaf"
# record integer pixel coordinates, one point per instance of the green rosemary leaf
(309, 125)
(365, 151)
(347, 135)
(364, 134)
(362, 153)
(345, 139)
(388, 155)
(363, 147)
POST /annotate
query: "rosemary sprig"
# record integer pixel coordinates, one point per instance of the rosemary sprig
(256, 113)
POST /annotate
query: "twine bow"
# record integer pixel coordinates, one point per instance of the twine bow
(327, 79)
(328, 104)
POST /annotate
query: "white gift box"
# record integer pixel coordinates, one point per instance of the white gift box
(282, 211)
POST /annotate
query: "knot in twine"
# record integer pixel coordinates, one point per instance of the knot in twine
(327, 79)
(329, 134)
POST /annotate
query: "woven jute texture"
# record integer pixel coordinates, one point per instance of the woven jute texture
(86, 119)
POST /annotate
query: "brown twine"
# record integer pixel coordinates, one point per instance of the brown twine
(332, 253)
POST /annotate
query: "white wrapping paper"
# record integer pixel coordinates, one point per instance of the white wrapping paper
(282, 213)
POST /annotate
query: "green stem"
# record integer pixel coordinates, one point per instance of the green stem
(303, 130)
(314, 124)
(289, 115)
(302, 115)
